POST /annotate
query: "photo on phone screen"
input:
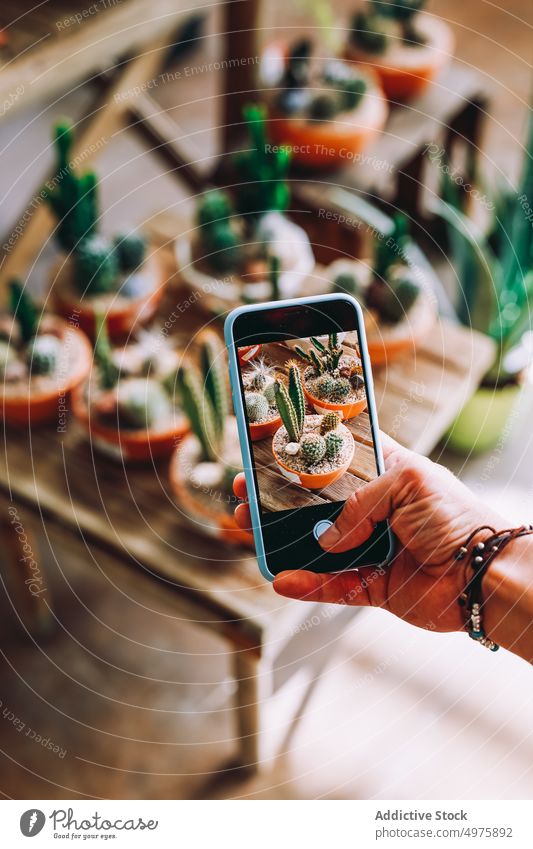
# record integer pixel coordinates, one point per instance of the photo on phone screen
(311, 439)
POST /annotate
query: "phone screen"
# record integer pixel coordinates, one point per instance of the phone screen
(310, 431)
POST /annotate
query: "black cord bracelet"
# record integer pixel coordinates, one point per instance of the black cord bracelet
(481, 556)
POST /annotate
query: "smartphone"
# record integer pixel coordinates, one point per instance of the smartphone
(304, 402)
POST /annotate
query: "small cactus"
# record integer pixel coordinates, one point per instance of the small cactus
(217, 235)
(43, 354)
(369, 32)
(347, 282)
(398, 299)
(325, 386)
(312, 448)
(23, 310)
(333, 444)
(131, 250)
(270, 392)
(256, 406)
(96, 266)
(141, 403)
(352, 93)
(341, 389)
(329, 422)
(324, 107)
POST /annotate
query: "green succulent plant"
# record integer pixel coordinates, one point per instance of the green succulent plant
(347, 282)
(270, 393)
(218, 237)
(95, 266)
(23, 310)
(72, 199)
(494, 266)
(341, 389)
(292, 416)
(398, 10)
(256, 406)
(312, 448)
(108, 370)
(398, 299)
(262, 172)
(204, 398)
(333, 442)
(141, 403)
(370, 32)
(371, 29)
(322, 358)
(330, 421)
(324, 386)
(274, 272)
(325, 106)
(130, 249)
(43, 354)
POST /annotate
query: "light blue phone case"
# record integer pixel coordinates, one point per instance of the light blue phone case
(240, 414)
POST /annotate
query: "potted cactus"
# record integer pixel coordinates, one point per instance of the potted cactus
(399, 307)
(205, 463)
(494, 269)
(42, 359)
(405, 46)
(96, 275)
(312, 451)
(128, 406)
(259, 399)
(333, 379)
(228, 259)
(325, 112)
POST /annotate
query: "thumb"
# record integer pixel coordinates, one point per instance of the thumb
(370, 504)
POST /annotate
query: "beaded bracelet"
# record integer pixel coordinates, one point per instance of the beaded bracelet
(482, 554)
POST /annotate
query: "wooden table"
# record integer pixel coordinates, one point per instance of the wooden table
(126, 516)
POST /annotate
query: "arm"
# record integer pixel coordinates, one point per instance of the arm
(431, 514)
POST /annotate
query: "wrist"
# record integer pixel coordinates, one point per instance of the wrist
(508, 598)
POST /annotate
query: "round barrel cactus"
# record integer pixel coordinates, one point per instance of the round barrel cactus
(312, 448)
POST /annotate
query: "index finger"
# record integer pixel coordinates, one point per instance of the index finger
(239, 486)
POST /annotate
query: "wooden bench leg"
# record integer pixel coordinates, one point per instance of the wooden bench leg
(248, 708)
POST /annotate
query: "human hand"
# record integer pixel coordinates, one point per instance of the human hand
(431, 513)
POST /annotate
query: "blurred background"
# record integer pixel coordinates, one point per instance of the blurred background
(142, 655)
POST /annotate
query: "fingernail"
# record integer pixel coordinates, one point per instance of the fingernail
(330, 537)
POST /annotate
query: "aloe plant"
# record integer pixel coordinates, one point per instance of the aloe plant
(72, 198)
(494, 266)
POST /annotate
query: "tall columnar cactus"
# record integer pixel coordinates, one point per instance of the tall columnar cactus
(108, 370)
(262, 172)
(72, 198)
(274, 271)
(23, 310)
(287, 412)
(323, 358)
(204, 398)
(296, 394)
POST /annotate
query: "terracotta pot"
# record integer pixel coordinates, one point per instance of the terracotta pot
(347, 411)
(248, 352)
(484, 419)
(323, 144)
(31, 406)
(134, 445)
(307, 480)
(404, 71)
(123, 315)
(212, 519)
(260, 430)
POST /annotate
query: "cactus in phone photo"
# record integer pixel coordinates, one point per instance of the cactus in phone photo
(330, 421)
(341, 389)
(287, 412)
(256, 406)
(333, 443)
(296, 394)
(313, 448)
(325, 386)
